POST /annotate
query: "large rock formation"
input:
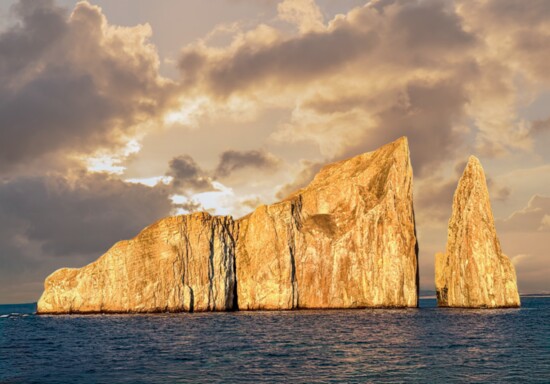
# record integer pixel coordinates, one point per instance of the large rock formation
(182, 263)
(474, 272)
(347, 240)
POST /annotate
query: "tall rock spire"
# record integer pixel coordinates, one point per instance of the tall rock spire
(474, 272)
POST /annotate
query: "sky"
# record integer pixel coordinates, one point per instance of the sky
(114, 114)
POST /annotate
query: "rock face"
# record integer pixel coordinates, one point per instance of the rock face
(474, 272)
(347, 240)
(182, 263)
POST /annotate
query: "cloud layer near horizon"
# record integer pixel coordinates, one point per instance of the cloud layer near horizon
(256, 108)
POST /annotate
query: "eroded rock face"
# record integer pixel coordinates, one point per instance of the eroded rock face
(182, 263)
(474, 272)
(345, 241)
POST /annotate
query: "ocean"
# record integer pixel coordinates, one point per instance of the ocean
(422, 345)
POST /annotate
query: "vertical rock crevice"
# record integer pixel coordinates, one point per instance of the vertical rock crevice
(295, 226)
(234, 305)
(211, 299)
(416, 252)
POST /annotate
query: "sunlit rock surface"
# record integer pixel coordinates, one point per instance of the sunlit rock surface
(181, 263)
(474, 272)
(347, 240)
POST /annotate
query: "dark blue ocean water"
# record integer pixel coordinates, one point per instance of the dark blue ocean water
(414, 345)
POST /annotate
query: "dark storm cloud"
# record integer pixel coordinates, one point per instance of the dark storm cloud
(53, 221)
(231, 161)
(71, 84)
(41, 24)
(83, 214)
(187, 174)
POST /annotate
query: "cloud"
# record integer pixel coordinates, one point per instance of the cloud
(303, 13)
(498, 192)
(82, 213)
(364, 34)
(188, 206)
(187, 175)
(52, 221)
(360, 81)
(304, 177)
(252, 202)
(529, 254)
(434, 199)
(532, 218)
(72, 84)
(231, 161)
(430, 70)
(429, 113)
(540, 126)
(513, 60)
(434, 195)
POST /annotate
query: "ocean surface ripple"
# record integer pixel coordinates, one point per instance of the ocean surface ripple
(354, 346)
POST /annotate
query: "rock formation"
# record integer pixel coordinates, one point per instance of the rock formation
(347, 240)
(474, 272)
(182, 263)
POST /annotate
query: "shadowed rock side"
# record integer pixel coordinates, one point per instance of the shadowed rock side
(474, 272)
(345, 241)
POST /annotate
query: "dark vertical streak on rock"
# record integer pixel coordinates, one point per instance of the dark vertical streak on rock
(211, 301)
(416, 251)
(191, 300)
(235, 303)
(231, 303)
(184, 256)
(296, 212)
